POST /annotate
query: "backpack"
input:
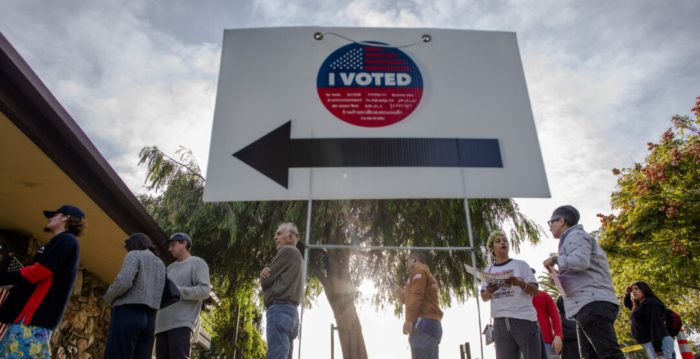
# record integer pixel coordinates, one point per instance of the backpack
(673, 323)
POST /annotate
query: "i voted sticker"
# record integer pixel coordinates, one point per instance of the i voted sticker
(369, 86)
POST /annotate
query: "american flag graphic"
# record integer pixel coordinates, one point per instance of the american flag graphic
(15, 265)
(370, 59)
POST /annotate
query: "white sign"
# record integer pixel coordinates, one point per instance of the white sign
(352, 113)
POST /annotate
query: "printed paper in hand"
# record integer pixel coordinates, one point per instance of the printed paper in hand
(491, 278)
(555, 279)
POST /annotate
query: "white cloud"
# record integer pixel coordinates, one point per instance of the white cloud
(126, 84)
(362, 13)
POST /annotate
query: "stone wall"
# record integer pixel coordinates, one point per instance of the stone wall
(83, 330)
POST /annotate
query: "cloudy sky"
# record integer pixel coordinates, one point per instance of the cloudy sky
(604, 78)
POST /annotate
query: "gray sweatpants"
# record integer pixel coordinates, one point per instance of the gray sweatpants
(517, 336)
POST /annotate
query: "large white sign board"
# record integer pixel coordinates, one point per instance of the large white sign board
(297, 117)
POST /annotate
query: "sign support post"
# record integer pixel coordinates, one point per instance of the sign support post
(476, 282)
(471, 245)
(307, 236)
(362, 88)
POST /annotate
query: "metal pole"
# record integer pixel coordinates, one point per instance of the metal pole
(235, 332)
(332, 342)
(461, 352)
(476, 282)
(471, 244)
(307, 235)
(467, 350)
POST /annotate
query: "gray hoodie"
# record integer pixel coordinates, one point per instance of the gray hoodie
(583, 270)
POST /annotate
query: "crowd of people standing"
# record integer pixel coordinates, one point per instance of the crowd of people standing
(40, 293)
(526, 322)
(587, 310)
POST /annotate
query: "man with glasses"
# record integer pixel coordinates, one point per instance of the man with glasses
(585, 276)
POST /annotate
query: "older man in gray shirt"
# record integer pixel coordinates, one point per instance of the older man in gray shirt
(585, 276)
(174, 324)
(282, 284)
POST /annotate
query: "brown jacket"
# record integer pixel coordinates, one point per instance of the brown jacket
(421, 295)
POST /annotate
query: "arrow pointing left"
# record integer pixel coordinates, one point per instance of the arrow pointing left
(275, 153)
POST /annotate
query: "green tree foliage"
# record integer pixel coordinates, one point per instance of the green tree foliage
(236, 239)
(654, 238)
(179, 208)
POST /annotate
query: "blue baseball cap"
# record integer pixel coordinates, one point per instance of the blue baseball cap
(178, 237)
(69, 210)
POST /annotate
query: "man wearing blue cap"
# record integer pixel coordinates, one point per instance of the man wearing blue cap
(40, 291)
(175, 324)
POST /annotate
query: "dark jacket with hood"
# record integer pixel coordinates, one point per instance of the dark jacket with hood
(647, 321)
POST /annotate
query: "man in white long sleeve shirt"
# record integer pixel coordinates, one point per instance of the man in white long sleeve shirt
(174, 324)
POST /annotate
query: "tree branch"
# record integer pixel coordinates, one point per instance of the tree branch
(687, 285)
(182, 165)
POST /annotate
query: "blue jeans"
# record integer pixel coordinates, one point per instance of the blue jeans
(282, 329)
(550, 352)
(666, 346)
(423, 345)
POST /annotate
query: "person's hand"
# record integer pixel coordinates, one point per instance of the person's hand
(549, 262)
(556, 344)
(516, 281)
(265, 273)
(628, 290)
(407, 328)
(492, 288)
(394, 287)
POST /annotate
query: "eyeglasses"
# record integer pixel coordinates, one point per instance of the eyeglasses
(551, 221)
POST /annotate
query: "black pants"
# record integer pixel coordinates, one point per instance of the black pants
(174, 343)
(596, 321)
(131, 332)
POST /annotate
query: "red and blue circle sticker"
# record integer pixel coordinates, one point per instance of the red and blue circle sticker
(369, 86)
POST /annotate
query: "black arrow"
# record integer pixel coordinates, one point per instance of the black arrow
(275, 153)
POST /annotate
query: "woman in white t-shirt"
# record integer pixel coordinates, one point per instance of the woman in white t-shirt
(514, 318)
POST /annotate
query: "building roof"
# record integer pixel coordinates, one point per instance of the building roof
(48, 161)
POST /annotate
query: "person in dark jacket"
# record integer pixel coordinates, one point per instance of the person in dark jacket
(647, 321)
(570, 347)
(40, 291)
(135, 296)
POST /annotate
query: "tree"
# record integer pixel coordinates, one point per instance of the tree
(654, 237)
(237, 239)
(178, 208)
